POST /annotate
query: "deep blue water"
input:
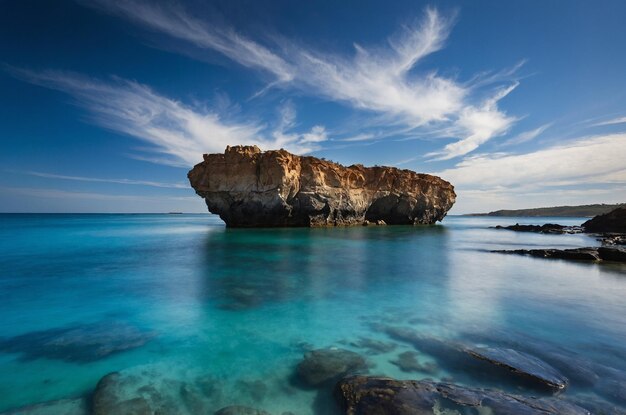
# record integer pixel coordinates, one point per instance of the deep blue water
(181, 298)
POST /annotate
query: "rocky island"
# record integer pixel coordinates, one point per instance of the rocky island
(248, 187)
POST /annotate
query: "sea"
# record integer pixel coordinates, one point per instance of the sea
(202, 316)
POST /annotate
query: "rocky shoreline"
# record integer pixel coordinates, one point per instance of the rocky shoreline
(247, 187)
(609, 228)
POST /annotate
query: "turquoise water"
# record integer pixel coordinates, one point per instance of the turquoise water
(238, 308)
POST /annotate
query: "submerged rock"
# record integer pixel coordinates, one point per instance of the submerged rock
(614, 221)
(363, 395)
(373, 346)
(143, 390)
(579, 370)
(240, 410)
(492, 365)
(522, 364)
(324, 365)
(408, 362)
(251, 188)
(62, 406)
(80, 343)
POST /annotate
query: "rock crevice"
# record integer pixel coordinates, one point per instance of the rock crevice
(250, 188)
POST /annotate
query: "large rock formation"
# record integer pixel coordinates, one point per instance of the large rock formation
(251, 188)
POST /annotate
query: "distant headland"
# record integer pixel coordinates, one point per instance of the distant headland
(556, 211)
(247, 187)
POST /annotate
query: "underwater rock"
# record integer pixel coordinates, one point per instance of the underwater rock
(80, 343)
(62, 406)
(614, 221)
(363, 395)
(488, 364)
(144, 391)
(522, 364)
(374, 346)
(324, 365)
(251, 188)
(408, 362)
(240, 410)
(578, 369)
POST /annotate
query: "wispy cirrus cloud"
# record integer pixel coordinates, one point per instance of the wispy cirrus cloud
(173, 20)
(527, 135)
(479, 125)
(105, 180)
(613, 121)
(178, 132)
(384, 80)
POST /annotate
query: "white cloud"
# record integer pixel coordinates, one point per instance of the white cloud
(479, 125)
(619, 120)
(527, 135)
(174, 21)
(102, 180)
(587, 163)
(180, 133)
(383, 80)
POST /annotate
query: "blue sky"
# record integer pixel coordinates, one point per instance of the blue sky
(105, 105)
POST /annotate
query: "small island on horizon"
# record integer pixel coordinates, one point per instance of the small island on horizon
(555, 211)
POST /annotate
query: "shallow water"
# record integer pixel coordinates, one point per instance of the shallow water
(200, 304)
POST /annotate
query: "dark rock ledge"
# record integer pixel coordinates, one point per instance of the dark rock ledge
(551, 228)
(579, 254)
(364, 395)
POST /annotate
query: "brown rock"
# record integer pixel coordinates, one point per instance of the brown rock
(251, 188)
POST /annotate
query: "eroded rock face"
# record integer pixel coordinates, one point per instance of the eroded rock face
(251, 188)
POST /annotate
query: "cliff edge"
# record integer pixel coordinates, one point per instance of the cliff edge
(250, 188)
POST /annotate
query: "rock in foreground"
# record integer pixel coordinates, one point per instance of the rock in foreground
(251, 188)
(384, 396)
